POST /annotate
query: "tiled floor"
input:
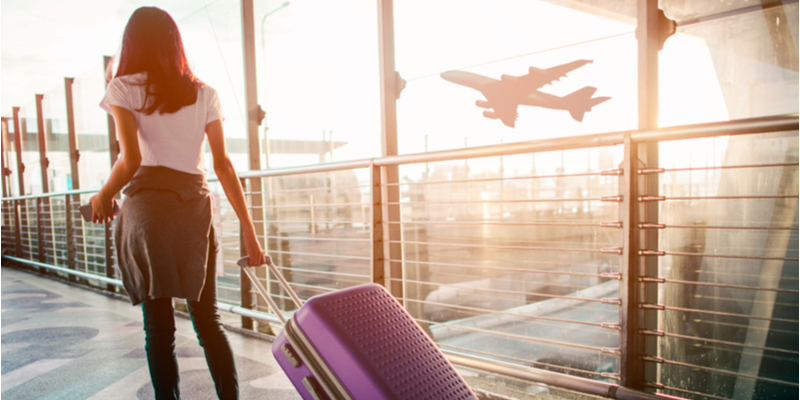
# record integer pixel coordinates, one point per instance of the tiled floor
(63, 342)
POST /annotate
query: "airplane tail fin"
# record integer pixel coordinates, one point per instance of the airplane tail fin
(581, 102)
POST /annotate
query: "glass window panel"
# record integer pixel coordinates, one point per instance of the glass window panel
(54, 107)
(739, 66)
(731, 240)
(212, 39)
(91, 127)
(492, 39)
(681, 10)
(10, 154)
(499, 251)
(32, 175)
(318, 81)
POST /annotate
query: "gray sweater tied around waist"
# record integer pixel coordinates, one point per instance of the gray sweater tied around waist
(164, 235)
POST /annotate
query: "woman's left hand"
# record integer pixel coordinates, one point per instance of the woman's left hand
(102, 208)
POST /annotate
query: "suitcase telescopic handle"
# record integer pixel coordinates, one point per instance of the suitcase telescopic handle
(243, 264)
(263, 292)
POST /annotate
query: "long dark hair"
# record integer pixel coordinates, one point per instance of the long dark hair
(152, 44)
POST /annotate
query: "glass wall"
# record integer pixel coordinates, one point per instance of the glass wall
(54, 111)
(728, 60)
(91, 126)
(509, 71)
(212, 39)
(318, 81)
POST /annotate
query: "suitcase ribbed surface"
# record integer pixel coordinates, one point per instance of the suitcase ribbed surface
(400, 351)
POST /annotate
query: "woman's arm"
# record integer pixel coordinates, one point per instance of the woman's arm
(124, 168)
(223, 167)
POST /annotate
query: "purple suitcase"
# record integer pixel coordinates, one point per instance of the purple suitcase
(360, 343)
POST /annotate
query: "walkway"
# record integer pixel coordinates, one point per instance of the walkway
(64, 342)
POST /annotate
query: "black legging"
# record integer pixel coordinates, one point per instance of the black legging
(159, 327)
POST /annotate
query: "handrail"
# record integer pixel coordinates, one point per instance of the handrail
(538, 375)
(695, 131)
(598, 388)
(66, 193)
(231, 308)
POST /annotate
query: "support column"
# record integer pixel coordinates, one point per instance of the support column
(74, 154)
(6, 170)
(390, 91)
(18, 147)
(23, 214)
(254, 117)
(652, 29)
(113, 143)
(43, 205)
(42, 135)
(75, 228)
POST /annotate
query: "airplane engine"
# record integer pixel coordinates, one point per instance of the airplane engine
(483, 104)
(490, 115)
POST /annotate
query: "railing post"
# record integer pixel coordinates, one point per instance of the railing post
(6, 171)
(74, 154)
(17, 229)
(376, 225)
(245, 286)
(635, 373)
(391, 84)
(254, 117)
(70, 236)
(40, 233)
(109, 250)
(44, 205)
(43, 160)
(113, 144)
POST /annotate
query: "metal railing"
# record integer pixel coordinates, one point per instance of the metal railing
(537, 277)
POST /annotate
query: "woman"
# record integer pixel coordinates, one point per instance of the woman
(166, 245)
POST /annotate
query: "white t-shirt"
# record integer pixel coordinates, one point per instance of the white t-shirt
(168, 140)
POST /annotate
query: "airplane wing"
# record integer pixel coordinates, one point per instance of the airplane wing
(468, 79)
(536, 78)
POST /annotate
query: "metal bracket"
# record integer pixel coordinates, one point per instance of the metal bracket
(21, 167)
(260, 114)
(651, 226)
(652, 359)
(611, 172)
(666, 28)
(400, 84)
(646, 171)
(6, 171)
(610, 350)
(651, 252)
(652, 306)
(610, 375)
(651, 198)
(611, 275)
(77, 155)
(612, 224)
(611, 325)
(616, 199)
(611, 250)
(612, 300)
(651, 333)
(649, 279)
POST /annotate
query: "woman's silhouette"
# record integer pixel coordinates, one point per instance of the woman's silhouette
(166, 245)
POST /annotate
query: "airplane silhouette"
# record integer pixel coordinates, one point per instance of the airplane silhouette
(510, 92)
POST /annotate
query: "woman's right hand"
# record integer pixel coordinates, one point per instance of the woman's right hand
(254, 250)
